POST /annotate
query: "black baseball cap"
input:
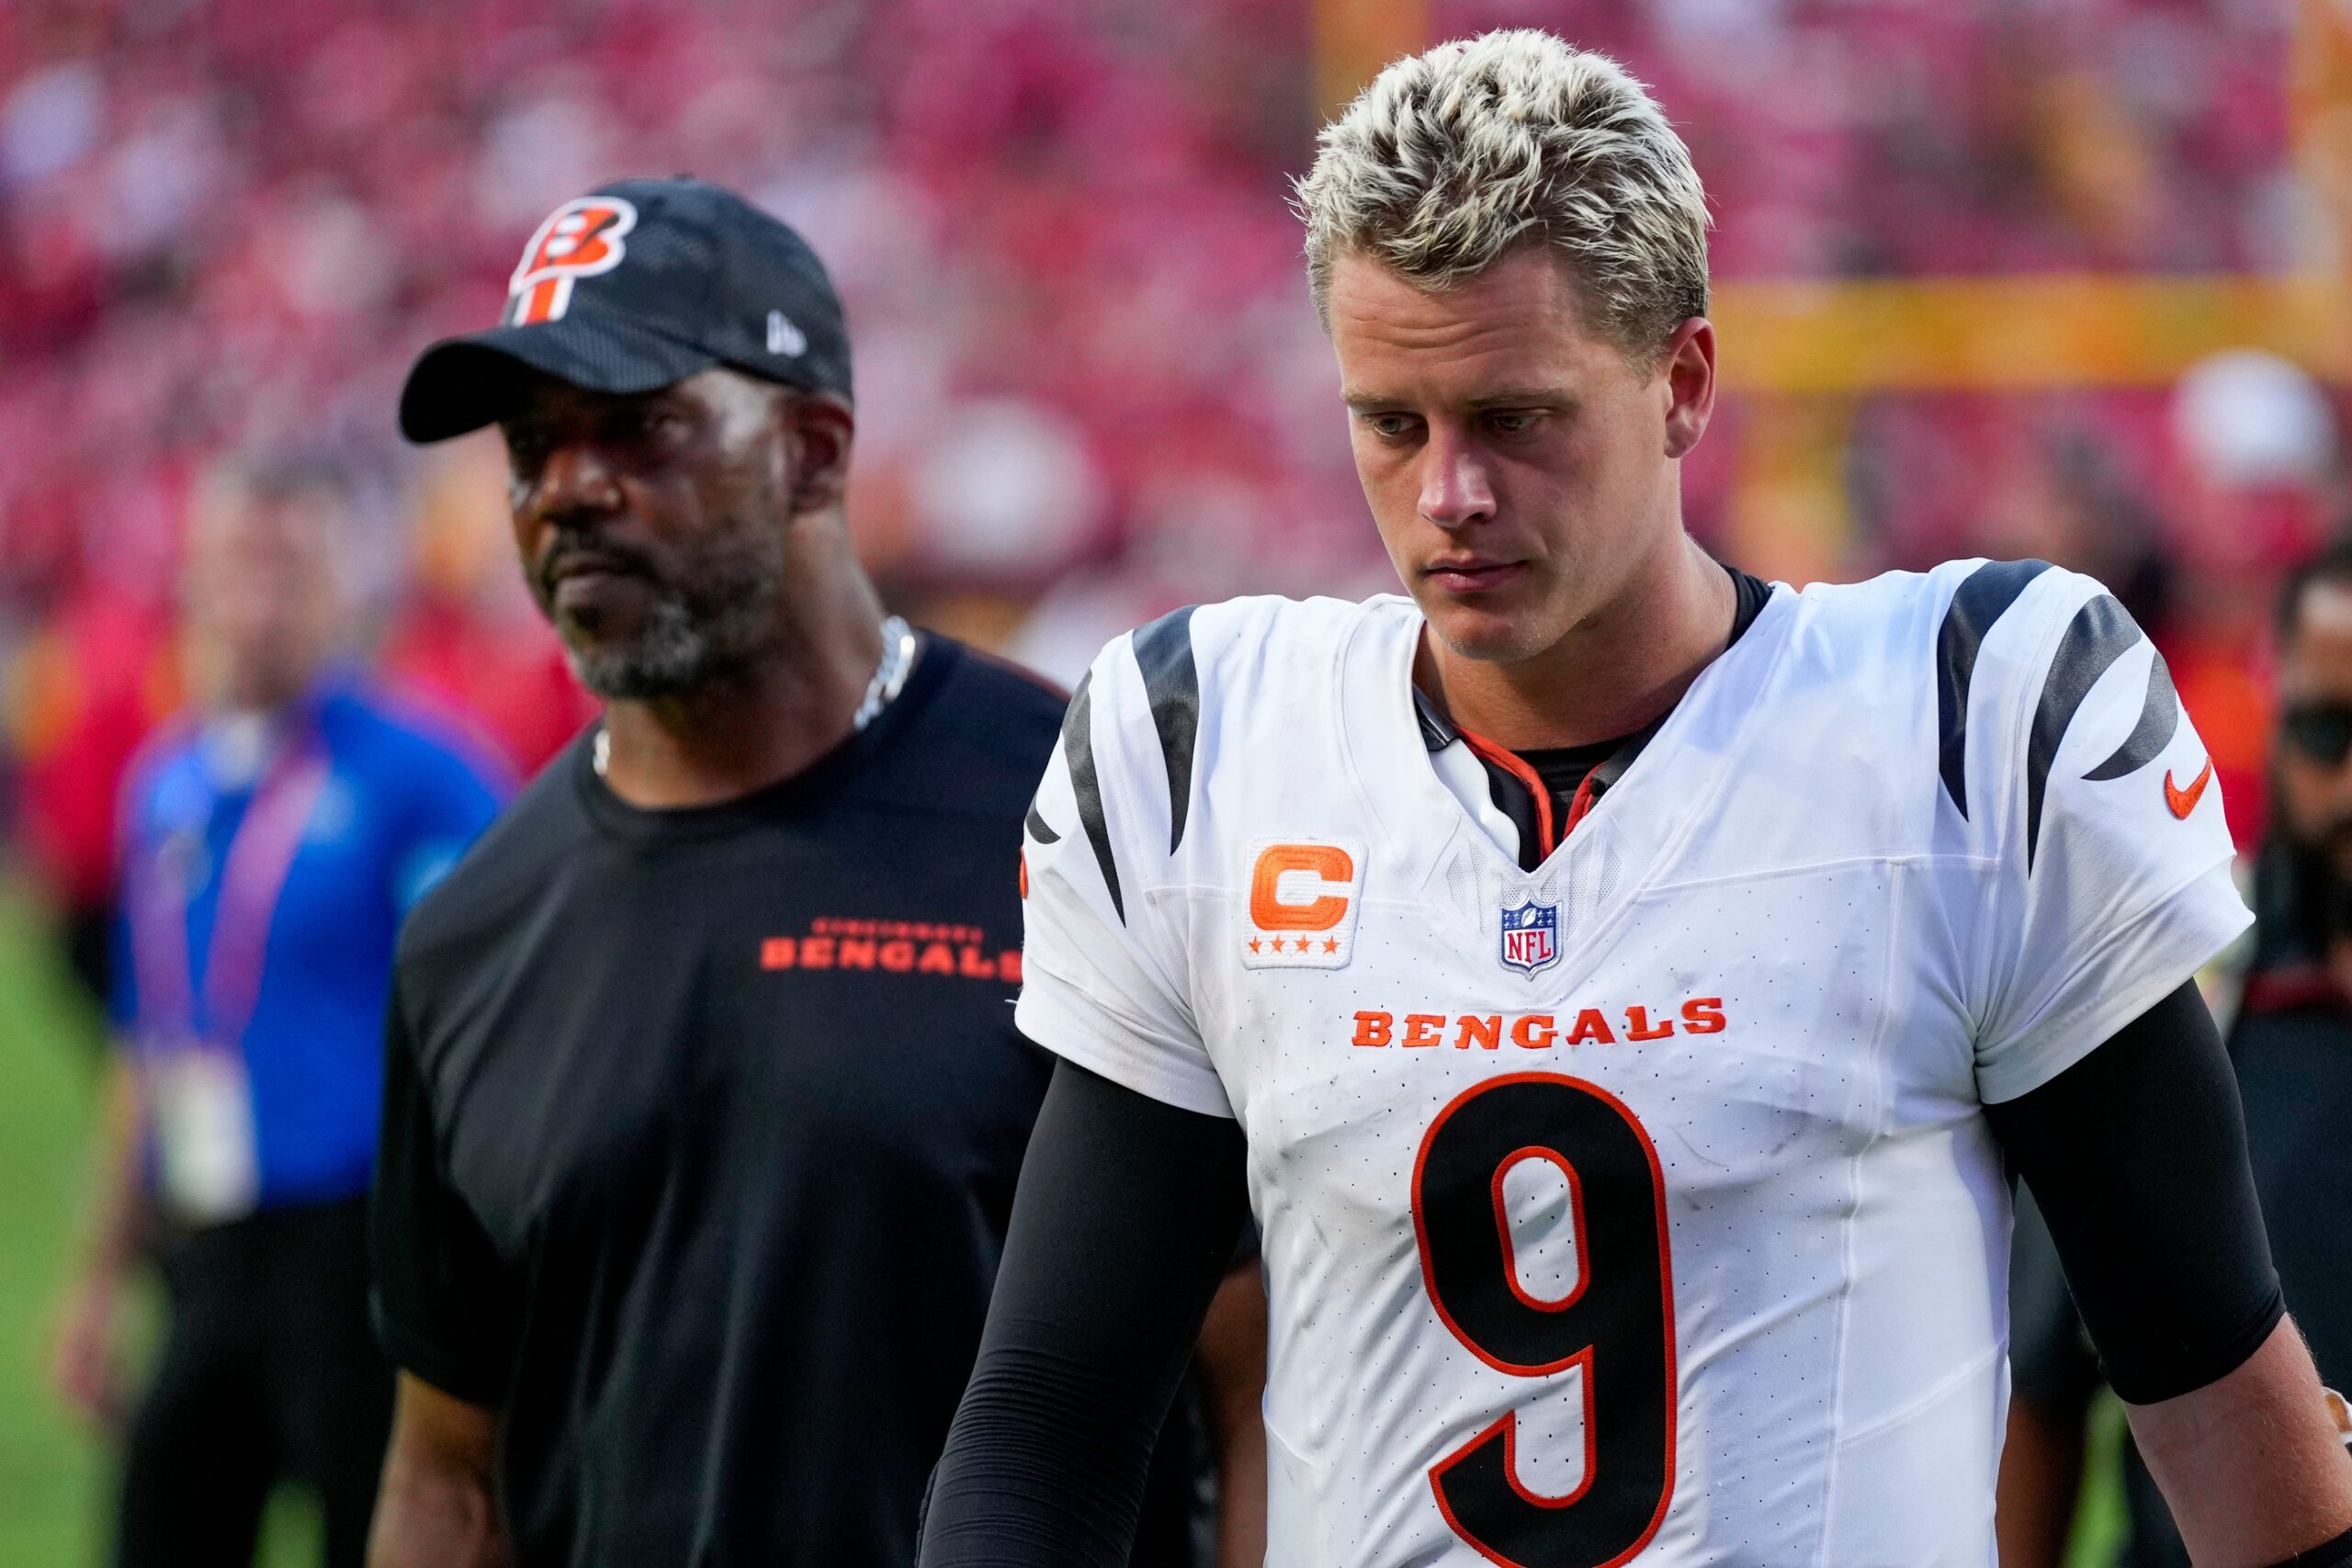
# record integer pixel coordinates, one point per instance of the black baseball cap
(634, 286)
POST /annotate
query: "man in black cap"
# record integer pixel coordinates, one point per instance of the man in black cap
(704, 1103)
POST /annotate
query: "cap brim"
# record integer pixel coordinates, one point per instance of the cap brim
(463, 383)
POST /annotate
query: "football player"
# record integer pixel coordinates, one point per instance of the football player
(1616, 984)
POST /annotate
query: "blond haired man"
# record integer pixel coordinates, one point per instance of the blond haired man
(1616, 984)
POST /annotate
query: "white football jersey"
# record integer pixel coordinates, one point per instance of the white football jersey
(1640, 1208)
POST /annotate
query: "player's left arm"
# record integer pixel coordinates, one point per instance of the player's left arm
(2071, 768)
(2250, 1465)
(2137, 1155)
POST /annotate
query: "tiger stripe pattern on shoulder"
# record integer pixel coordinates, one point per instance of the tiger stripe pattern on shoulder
(2101, 632)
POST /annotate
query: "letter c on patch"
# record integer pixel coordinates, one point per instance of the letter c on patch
(1272, 912)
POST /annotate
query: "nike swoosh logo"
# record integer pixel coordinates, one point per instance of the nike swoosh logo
(2184, 801)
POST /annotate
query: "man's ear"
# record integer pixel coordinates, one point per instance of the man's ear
(1689, 383)
(821, 427)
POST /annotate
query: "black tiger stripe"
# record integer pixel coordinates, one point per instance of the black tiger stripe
(1039, 828)
(1981, 600)
(2101, 632)
(1077, 746)
(2159, 718)
(1173, 682)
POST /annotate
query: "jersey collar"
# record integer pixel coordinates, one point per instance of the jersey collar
(1669, 784)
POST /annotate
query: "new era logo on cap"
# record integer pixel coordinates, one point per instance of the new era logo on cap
(784, 337)
(580, 239)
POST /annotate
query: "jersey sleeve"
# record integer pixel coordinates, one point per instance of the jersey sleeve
(2106, 857)
(1103, 967)
(444, 1301)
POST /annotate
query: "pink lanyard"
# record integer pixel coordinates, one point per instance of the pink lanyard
(260, 854)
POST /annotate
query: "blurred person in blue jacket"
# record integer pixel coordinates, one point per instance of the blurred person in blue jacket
(270, 840)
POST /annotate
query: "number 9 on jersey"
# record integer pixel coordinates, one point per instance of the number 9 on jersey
(1614, 1323)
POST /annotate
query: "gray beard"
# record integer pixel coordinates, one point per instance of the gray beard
(673, 654)
(684, 647)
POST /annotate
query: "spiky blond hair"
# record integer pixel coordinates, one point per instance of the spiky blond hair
(1453, 158)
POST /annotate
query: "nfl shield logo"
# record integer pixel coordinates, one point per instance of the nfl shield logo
(1531, 936)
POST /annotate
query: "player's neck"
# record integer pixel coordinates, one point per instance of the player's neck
(767, 721)
(1612, 674)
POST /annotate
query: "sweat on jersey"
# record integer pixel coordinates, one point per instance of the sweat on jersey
(1642, 1205)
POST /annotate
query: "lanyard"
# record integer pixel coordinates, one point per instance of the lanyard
(252, 876)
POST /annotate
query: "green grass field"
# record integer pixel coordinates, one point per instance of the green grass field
(54, 1473)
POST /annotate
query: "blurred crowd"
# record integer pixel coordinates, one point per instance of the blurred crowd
(1091, 385)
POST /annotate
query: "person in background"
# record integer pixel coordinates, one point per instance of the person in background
(271, 842)
(2290, 1044)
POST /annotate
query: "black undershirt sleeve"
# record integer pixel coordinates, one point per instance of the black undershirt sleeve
(2137, 1155)
(1123, 1228)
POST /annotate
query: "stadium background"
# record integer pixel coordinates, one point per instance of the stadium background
(2060, 277)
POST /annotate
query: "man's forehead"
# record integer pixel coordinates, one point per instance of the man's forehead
(538, 393)
(721, 395)
(1515, 330)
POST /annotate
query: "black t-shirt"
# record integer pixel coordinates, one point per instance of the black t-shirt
(701, 1132)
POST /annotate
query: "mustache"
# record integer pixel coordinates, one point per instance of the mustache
(580, 552)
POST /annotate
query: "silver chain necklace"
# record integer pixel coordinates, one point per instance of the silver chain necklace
(889, 680)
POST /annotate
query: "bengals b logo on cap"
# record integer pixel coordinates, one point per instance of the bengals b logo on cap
(580, 239)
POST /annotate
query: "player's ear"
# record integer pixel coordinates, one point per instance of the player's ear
(1689, 374)
(820, 427)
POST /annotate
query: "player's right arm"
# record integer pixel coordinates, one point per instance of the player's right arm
(438, 1504)
(1132, 1193)
(1124, 1219)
